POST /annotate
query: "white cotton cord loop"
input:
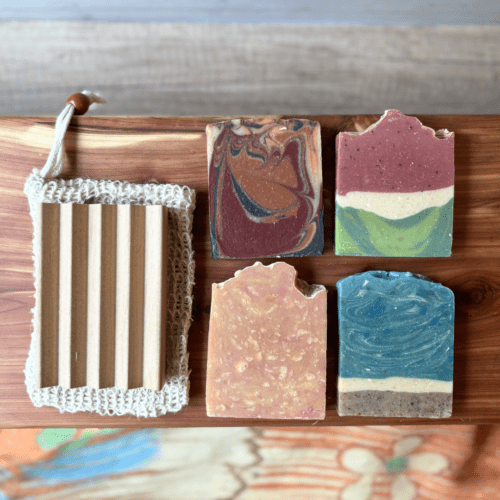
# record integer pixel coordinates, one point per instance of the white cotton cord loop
(93, 98)
(55, 160)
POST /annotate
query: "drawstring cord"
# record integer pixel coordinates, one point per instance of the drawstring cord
(55, 160)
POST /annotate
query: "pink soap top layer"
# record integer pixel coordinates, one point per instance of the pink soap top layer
(397, 154)
(267, 346)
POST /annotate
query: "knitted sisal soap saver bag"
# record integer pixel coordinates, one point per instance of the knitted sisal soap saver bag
(44, 186)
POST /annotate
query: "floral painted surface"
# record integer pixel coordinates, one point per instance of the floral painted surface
(343, 463)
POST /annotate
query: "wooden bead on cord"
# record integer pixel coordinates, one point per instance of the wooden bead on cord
(81, 103)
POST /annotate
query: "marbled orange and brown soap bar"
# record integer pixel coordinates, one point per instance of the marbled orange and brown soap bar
(267, 346)
(265, 188)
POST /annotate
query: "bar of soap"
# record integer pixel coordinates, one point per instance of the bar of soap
(396, 346)
(265, 188)
(395, 189)
(267, 346)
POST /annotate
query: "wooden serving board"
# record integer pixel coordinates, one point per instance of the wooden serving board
(174, 150)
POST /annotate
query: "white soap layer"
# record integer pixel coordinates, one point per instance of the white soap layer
(396, 205)
(400, 384)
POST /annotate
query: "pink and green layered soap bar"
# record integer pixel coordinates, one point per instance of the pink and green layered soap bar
(395, 189)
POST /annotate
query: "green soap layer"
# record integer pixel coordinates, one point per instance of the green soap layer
(426, 234)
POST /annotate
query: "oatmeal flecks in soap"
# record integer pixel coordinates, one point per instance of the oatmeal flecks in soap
(395, 189)
(396, 346)
(267, 346)
(265, 188)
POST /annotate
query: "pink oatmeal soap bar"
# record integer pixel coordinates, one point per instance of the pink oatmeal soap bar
(267, 346)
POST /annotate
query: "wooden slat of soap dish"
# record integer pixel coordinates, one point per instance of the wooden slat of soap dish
(101, 296)
(47, 294)
(73, 238)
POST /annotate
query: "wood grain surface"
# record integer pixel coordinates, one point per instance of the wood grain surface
(174, 150)
(171, 69)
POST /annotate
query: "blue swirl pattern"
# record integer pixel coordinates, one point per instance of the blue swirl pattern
(395, 325)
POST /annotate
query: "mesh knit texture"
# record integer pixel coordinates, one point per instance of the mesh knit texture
(114, 401)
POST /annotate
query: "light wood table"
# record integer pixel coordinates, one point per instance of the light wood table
(174, 150)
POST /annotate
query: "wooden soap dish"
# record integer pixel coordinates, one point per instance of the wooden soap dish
(101, 294)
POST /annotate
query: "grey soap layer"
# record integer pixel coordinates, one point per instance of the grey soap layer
(395, 404)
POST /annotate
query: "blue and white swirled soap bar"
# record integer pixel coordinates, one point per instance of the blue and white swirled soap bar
(396, 346)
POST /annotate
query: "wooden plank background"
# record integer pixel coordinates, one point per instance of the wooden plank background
(156, 69)
(174, 150)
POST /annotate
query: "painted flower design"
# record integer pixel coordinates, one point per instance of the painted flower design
(366, 463)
